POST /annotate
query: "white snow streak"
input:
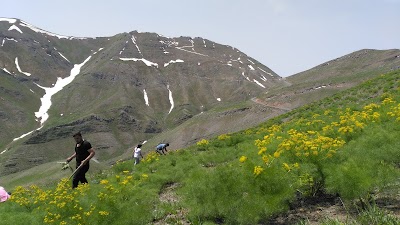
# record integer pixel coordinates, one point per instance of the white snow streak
(5, 70)
(145, 61)
(173, 61)
(205, 46)
(263, 78)
(19, 69)
(8, 20)
(50, 91)
(8, 39)
(146, 99)
(38, 30)
(180, 48)
(251, 67)
(100, 49)
(134, 42)
(63, 56)
(219, 99)
(192, 46)
(31, 90)
(13, 27)
(266, 72)
(120, 52)
(171, 100)
(24, 135)
(250, 61)
(256, 81)
(247, 78)
(3, 152)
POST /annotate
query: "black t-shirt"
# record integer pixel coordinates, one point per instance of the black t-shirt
(82, 152)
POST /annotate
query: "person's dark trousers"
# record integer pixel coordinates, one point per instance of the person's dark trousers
(80, 176)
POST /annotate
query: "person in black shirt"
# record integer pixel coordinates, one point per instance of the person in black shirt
(83, 153)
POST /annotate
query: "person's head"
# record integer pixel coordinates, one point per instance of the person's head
(167, 144)
(78, 137)
(139, 145)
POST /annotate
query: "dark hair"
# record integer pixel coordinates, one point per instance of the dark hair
(77, 134)
(139, 145)
(167, 144)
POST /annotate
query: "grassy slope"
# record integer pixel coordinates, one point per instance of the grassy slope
(337, 75)
(209, 185)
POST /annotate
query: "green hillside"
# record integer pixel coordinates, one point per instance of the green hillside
(342, 149)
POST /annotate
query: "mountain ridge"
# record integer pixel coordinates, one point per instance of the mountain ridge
(143, 86)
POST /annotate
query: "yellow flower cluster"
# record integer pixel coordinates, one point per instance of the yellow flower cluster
(319, 138)
(202, 142)
(60, 204)
(223, 137)
(151, 157)
(242, 159)
(258, 170)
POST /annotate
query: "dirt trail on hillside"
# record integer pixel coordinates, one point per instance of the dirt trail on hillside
(262, 102)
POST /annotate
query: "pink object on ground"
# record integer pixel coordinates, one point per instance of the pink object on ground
(3, 195)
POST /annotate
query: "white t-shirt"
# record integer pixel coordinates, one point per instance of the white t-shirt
(136, 154)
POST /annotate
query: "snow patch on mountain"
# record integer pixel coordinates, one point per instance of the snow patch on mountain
(263, 78)
(19, 69)
(8, 39)
(251, 67)
(192, 47)
(13, 27)
(257, 82)
(266, 72)
(134, 42)
(219, 99)
(171, 99)
(63, 56)
(173, 61)
(38, 30)
(8, 20)
(145, 61)
(250, 61)
(50, 91)
(5, 70)
(146, 99)
(24, 135)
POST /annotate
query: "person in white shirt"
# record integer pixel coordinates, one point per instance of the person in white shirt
(137, 152)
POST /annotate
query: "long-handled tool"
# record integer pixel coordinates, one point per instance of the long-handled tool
(80, 166)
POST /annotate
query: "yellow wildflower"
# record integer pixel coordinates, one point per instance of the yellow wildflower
(258, 170)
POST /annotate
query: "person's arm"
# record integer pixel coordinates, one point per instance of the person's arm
(71, 157)
(92, 153)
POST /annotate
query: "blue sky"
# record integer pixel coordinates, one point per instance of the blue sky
(289, 36)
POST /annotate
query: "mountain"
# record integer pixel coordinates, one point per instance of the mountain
(135, 87)
(117, 90)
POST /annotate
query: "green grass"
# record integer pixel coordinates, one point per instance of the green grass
(214, 187)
